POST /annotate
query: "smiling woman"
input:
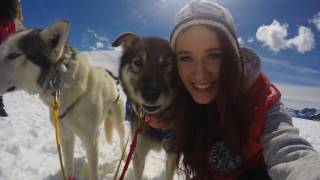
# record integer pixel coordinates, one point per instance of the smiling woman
(199, 60)
(230, 123)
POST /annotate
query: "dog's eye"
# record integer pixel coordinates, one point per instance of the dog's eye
(13, 56)
(138, 62)
(166, 63)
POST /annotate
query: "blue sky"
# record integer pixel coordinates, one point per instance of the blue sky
(286, 33)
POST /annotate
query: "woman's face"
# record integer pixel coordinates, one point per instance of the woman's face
(199, 57)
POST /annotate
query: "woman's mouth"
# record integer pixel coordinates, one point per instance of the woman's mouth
(203, 93)
(206, 86)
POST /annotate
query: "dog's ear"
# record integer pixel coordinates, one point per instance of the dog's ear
(56, 37)
(127, 40)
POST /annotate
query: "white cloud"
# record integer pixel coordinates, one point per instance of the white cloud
(241, 41)
(98, 37)
(94, 41)
(99, 45)
(304, 41)
(316, 21)
(250, 40)
(274, 36)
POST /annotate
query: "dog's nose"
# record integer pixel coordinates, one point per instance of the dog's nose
(151, 95)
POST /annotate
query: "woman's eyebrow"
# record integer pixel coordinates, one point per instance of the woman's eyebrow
(213, 50)
(183, 53)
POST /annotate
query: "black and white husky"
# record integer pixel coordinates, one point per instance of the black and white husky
(31, 59)
(148, 76)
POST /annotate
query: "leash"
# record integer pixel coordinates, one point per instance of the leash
(55, 107)
(52, 84)
(133, 145)
(122, 156)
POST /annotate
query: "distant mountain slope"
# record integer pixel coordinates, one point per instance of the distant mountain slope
(305, 113)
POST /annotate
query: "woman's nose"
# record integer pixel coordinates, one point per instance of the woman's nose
(200, 70)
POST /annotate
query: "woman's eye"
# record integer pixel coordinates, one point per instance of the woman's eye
(13, 56)
(185, 58)
(214, 56)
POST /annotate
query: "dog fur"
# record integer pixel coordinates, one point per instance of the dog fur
(148, 76)
(89, 96)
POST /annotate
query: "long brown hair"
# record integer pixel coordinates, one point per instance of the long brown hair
(226, 119)
(8, 9)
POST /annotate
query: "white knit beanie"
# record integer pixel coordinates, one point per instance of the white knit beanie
(204, 12)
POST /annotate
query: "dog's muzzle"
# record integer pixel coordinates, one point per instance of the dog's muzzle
(151, 95)
(150, 109)
(12, 88)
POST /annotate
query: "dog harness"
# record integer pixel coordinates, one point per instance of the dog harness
(132, 148)
(117, 83)
(154, 133)
(154, 128)
(58, 84)
(54, 80)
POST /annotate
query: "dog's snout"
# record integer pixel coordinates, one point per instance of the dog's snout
(151, 94)
(12, 88)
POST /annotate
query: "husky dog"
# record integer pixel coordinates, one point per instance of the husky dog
(32, 59)
(148, 75)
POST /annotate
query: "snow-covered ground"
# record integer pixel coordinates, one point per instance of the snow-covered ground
(27, 139)
(310, 130)
(28, 149)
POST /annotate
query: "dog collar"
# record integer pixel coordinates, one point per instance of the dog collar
(151, 120)
(53, 79)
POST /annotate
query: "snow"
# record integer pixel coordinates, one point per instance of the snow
(27, 139)
(309, 130)
(28, 148)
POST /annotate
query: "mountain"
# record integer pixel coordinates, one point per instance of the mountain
(305, 113)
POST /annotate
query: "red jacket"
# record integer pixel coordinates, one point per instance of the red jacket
(264, 95)
(7, 28)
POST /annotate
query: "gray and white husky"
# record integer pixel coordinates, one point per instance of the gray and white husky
(148, 75)
(31, 59)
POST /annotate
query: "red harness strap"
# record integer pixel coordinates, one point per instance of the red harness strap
(72, 178)
(156, 124)
(148, 119)
(7, 28)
